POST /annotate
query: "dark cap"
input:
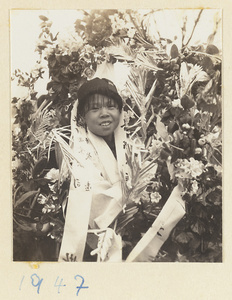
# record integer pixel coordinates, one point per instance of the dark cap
(98, 86)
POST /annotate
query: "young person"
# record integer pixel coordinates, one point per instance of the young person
(95, 196)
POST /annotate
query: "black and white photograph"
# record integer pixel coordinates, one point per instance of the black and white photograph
(116, 147)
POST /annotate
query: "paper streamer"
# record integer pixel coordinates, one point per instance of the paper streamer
(148, 247)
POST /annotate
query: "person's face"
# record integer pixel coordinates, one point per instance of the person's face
(102, 116)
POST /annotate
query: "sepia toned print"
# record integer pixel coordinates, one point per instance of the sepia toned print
(150, 189)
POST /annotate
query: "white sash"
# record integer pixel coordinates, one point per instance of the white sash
(172, 212)
(95, 192)
(76, 226)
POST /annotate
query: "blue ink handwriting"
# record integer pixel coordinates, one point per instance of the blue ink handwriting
(38, 285)
(59, 285)
(37, 281)
(81, 285)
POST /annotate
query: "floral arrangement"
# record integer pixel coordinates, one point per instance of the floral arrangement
(172, 106)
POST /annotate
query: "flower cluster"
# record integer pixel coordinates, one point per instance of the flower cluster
(122, 25)
(188, 168)
(68, 43)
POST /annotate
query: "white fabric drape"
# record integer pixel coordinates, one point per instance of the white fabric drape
(172, 212)
(95, 197)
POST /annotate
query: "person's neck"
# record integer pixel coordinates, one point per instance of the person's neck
(109, 139)
(111, 143)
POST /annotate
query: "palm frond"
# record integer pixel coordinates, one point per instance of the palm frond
(189, 74)
(147, 60)
(136, 84)
(150, 94)
(143, 42)
(121, 50)
(141, 32)
(41, 125)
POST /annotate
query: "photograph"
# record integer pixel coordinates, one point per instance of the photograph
(116, 135)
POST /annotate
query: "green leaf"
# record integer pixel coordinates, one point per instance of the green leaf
(207, 64)
(198, 227)
(172, 126)
(187, 102)
(194, 243)
(174, 51)
(181, 258)
(43, 18)
(184, 237)
(29, 185)
(78, 26)
(193, 146)
(199, 210)
(42, 181)
(161, 129)
(171, 169)
(212, 49)
(215, 197)
(210, 39)
(47, 42)
(59, 155)
(25, 197)
(56, 86)
(26, 226)
(39, 167)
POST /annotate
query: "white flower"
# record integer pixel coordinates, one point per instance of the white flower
(131, 32)
(176, 103)
(145, 196)
(194, 188)
(135, 197)
(186, 126)
(155, 197)
(45, 210)
(155, 147)
(16, 130)
(52, 175)
(198, 151)
(218, 168)
(216, 129)
(48, 208)
(69, 43)
(16, 163)
(196, 167)
(155, 185)
(54, 198)
(53, 187)
(202, 141)
(189, 168)
(48, 51)
(214, 139)
(42, 199)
